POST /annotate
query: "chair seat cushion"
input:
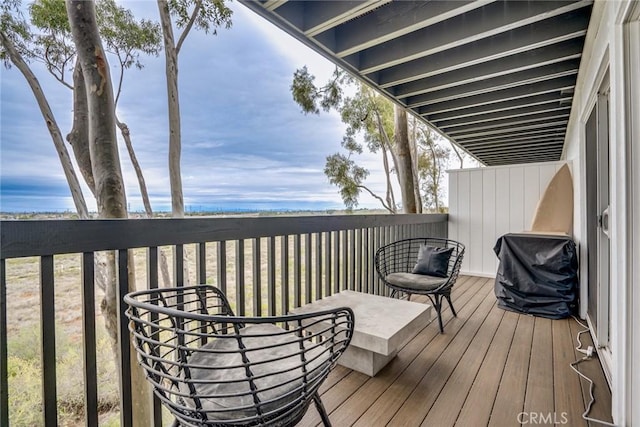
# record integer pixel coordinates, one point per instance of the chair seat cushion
(220, 379)
(419, 282)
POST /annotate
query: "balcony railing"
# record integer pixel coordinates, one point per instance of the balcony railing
(290, 261)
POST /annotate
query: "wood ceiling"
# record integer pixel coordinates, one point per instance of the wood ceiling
(496, 77)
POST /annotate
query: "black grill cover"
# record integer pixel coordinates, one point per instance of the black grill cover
(538, 275)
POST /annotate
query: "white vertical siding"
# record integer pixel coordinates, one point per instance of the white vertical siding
(488, 227)
(464, 203)
(486, 203)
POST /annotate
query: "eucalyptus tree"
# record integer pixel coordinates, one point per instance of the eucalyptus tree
(382, 127)
(432, 162)
(105, 162)
(16, 41)
(205, 15)
(125, 38)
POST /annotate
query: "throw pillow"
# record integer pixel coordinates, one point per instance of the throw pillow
(433, 261)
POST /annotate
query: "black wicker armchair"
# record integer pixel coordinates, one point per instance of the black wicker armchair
(211, 368)
(395, 264)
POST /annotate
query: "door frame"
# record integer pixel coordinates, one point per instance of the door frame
(601, 80)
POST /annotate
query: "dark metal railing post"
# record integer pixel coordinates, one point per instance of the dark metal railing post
(48, 328)
(240, 305)
(257, 278)
(4, 383)
(271, 276)
(284, 271)
(297, 271)
(152, 283)
(126, 404)
(89, 340)
(221, 275)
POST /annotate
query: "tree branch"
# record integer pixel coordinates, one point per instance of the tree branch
(52, 125)
(377, 197)
(455, 150)
(192, 20)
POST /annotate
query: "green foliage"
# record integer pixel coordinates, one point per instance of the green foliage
(15, 29)
(369, 118)
(53, 45)
(343, 172)
(210, 15)
(50, 15)
(311, 98)
(126, 37)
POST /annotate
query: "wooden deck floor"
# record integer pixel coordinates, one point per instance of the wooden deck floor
(490, 367)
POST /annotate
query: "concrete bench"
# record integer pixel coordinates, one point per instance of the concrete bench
(382, 326)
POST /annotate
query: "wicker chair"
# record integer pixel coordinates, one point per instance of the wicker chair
(211, 368)
(395, 262)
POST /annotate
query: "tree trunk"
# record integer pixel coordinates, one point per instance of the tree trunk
(403, 151)
(414, 165)
(455, 150)
(79, 135)
(126, 135)
(52, 125)
(391, 202)
(107, 173)
(171, 69)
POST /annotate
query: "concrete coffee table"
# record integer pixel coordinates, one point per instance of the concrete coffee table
(382, 326)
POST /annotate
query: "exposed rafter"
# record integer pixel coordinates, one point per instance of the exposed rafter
(495, 76)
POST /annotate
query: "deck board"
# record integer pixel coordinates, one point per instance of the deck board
(488, 366)
(359, 402)
(539, 392)
(415, 408)
(394, 397)
(567, 390)
(481, 397)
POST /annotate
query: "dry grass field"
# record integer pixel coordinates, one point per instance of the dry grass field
(23, 317)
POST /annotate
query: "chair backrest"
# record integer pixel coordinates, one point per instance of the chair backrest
(401, 256)
(208, 366)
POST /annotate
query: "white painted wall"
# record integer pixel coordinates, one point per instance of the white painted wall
(612, 44)
(485, 203)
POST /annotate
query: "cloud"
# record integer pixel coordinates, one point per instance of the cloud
(244, 140)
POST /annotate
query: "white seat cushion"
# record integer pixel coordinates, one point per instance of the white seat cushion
(420, 282)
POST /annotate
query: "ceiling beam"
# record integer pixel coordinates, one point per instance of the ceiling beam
(511, 123)
(544, 33)
(520, 78)
(517, 128)
(551, 132)
(550, 99)
(557, 137)
(272, 5)
(552, 146)
(489, 20)
(498, 96)
(501, 115)
(394, 20)
(549, 55)
(519, 161)
(523, 157)
(321, 16)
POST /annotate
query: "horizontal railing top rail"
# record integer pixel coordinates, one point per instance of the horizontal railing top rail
(24, 238)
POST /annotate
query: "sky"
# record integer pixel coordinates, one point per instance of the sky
(245, 143)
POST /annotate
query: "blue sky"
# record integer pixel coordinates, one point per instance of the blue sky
(246, 145)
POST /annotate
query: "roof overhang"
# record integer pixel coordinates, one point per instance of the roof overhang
(496, 77)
